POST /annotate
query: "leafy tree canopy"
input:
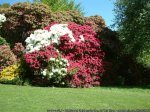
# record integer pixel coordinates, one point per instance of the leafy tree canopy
(133, 21)
(4, 5)
(62, 5)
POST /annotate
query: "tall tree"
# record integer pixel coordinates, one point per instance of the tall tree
(62, 5)
(133, 21)
(4, 5)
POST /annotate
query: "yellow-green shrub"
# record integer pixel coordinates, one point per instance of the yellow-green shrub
(10, 73)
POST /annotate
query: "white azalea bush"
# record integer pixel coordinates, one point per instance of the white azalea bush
(64, 54)
(56, 70)
(2, 19)
(42, 38)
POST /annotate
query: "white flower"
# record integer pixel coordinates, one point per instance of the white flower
(68, 64)
(39, 39)
(52, 59)
(62, 29)
(44, 72)
(81, 38)
(2, 18)
(63, 70)
(57, 60)
(60, 63)
(55, 70)
(50, 75)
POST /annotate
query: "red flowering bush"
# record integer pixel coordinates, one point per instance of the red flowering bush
(68, 51)
(39, 59)
(84, 55)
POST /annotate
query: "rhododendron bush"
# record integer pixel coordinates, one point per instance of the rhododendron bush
(65, 54)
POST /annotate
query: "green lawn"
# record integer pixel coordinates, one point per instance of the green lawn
(40, 99)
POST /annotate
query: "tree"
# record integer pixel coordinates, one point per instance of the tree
(4, 5)
(133, 21)
(62, 5)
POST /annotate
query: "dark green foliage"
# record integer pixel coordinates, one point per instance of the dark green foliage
(121, 69)
(132, 62)
(16, 81)
(133, 20)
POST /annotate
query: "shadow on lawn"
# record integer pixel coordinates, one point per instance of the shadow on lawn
(128, 87)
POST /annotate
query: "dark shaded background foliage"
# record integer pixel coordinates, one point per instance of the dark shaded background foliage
(132, 21)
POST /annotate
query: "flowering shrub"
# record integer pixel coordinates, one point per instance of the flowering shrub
(23, 18)
(42, 38)
(56, 70)
(6, 56)
(96, 22)
(39, 59)
(67, 16)
(10, 73)
(84, 54)
(66, 51)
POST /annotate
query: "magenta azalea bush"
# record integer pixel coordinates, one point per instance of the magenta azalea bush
(65, 54)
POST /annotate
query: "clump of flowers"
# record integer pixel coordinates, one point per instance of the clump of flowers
(41, 38)
(2, 19)
(56, 70)
(69, 52)
(10, 73)
(37, 60)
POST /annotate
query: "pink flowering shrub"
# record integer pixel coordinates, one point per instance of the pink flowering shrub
(85, 55)
(7, 57)
(76, 45)
(39, 59)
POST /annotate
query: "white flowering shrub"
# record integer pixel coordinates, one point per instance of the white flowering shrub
(56, 70)
(42, 38)
(2, 19)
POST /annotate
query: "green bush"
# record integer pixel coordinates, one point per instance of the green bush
(22, 19)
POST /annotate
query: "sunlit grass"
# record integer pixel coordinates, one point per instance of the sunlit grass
(41, 99)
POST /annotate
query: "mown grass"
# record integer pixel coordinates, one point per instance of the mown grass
(40, 99)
